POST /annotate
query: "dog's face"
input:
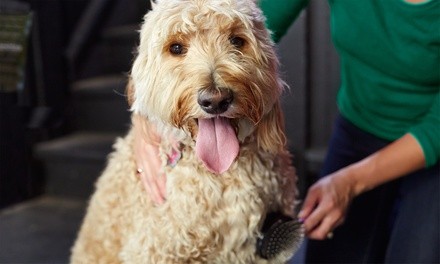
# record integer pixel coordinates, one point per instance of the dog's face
(208, 66)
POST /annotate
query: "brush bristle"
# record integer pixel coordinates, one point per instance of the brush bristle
(282, 237)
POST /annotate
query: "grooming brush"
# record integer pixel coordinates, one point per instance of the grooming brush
(282, 236)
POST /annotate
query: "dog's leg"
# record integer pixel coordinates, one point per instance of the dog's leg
(96, 244)
(106, 221)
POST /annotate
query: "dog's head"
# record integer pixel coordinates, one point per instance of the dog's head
(209, 68)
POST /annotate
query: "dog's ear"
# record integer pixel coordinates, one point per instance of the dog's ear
(129, 91)
(270, 130)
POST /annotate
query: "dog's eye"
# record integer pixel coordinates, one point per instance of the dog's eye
(177, 49)
(237, 41)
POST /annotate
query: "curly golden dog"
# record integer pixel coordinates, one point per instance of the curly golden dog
(206, 77)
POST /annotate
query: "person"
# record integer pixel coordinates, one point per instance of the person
(378, 197)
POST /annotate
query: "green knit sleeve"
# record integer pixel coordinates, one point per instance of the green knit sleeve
(427, 133)
(280, 14)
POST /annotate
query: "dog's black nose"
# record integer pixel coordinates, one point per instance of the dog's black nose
(215, 101)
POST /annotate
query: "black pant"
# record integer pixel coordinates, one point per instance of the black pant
(397, 222)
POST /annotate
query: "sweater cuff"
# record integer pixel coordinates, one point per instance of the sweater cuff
(428, 136)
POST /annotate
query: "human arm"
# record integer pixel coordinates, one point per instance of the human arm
(327, 200)
(280, 14)
(147, 159)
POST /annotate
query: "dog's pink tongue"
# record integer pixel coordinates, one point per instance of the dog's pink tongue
(217, 144)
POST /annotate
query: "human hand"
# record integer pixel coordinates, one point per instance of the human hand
(147, 158)
(326, 204)
(327, 200)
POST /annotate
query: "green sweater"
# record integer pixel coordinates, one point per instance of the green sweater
(390, 64)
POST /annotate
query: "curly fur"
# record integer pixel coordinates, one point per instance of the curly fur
(207, 218)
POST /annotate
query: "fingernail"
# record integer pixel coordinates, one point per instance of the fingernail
(301, 220)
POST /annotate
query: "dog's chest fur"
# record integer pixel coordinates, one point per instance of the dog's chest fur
(204, 215)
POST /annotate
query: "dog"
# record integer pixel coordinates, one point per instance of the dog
(205, 76)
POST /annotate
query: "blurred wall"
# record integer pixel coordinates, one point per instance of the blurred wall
(310, 67)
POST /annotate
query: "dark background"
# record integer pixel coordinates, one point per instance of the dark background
(68, 42)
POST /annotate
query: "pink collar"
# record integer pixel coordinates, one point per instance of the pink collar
(174, 157)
